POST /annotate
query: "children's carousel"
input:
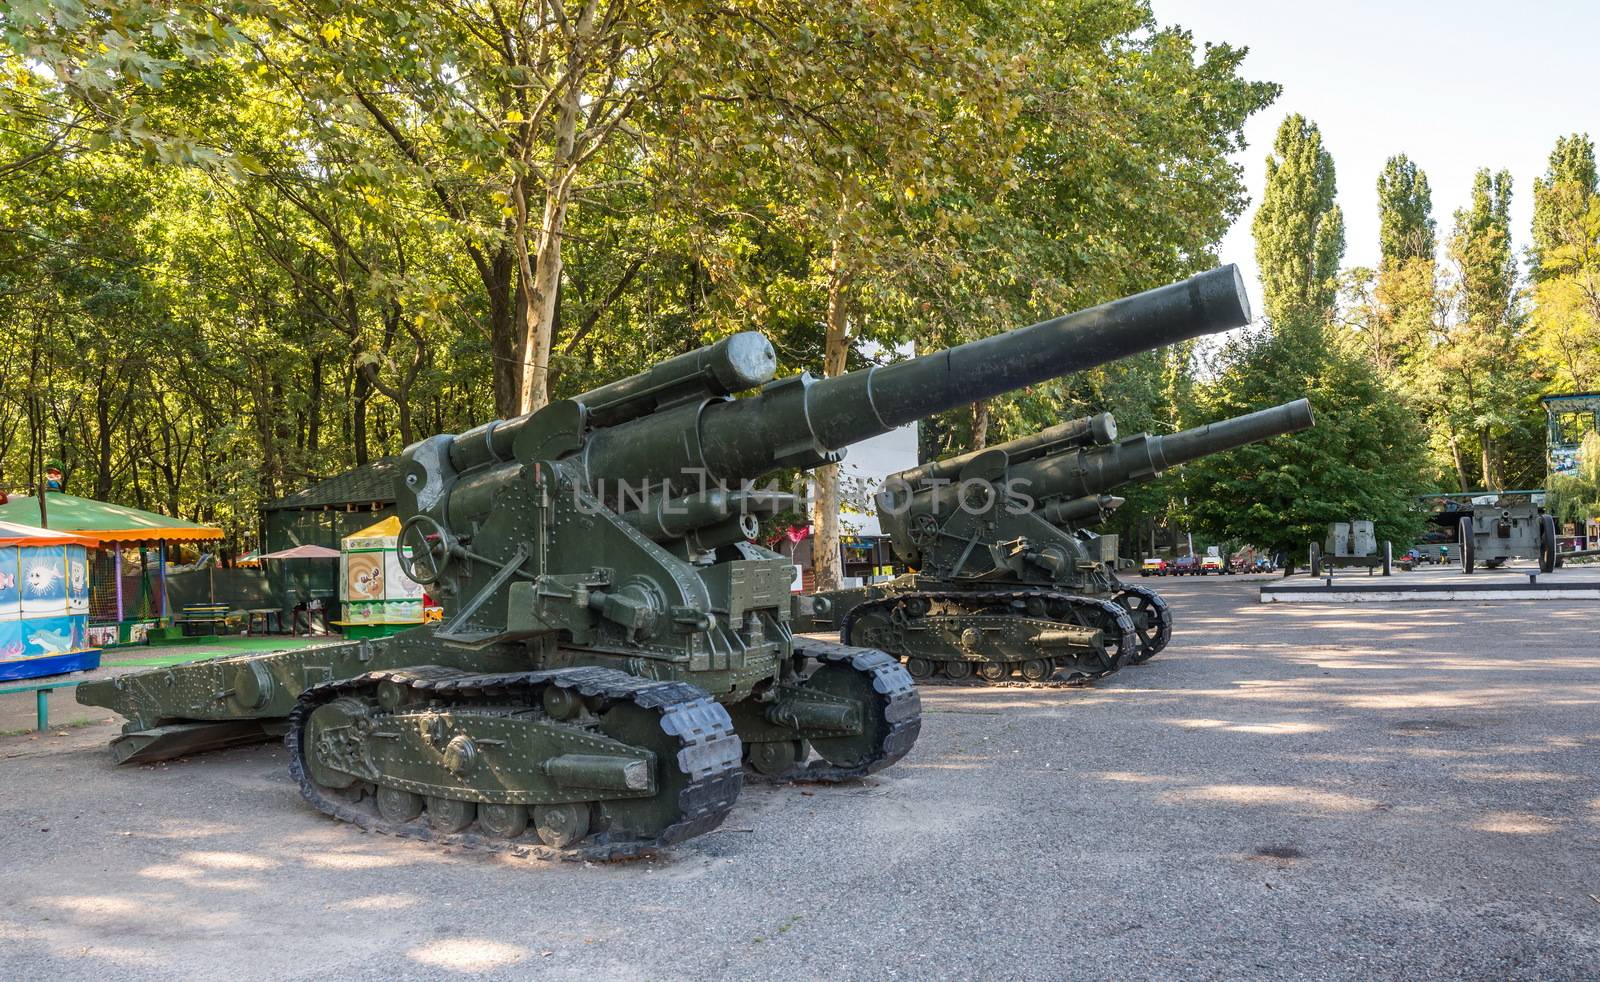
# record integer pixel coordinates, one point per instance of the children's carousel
(44, 602)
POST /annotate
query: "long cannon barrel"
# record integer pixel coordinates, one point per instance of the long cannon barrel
(1089, 431)
(803, 422)
(1100, 469)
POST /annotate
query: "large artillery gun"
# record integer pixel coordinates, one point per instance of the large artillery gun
(1007, 577)
(615, 650)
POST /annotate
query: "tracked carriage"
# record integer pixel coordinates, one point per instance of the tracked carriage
(616, 654)
(1009, 582)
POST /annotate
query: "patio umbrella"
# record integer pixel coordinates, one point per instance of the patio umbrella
(302, 552)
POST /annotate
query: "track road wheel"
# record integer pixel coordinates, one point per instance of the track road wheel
(960, 670)
(397, 806)
(449, 815)
(503, 821)
(994, 671)
(1549, 548)
(1037, 669)
(920, 668)
(561, 825)
(775, 757)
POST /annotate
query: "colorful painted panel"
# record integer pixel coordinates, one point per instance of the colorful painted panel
(44, 581)
(10, 585)
(77, 580)
(363, 576)
(44, 611)
(373, 586)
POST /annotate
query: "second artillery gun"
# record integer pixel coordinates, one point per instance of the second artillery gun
(615, 648)
(1007, 578)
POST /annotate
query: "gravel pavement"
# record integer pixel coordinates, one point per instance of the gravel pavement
(1287, 793)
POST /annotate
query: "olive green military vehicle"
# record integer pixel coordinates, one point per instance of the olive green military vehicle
(1008, 579)
(615, 649)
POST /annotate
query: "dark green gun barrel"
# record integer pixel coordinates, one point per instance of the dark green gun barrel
(803, 422)
(1100, 469)
(1089, 431)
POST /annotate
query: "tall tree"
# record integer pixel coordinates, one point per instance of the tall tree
(1406, 229)
(1566, 253)
(1299, 230)
(1479, 354)
(1562, 194)
(1390, 310)
(1360, 459)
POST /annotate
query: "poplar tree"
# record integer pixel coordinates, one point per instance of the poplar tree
(1299, 231)
(1566, 265)
(1360, 459)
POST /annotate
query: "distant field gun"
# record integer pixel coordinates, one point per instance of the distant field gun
(614, 649)
(1007, 579)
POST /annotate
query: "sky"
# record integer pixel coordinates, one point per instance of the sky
(1455, 84)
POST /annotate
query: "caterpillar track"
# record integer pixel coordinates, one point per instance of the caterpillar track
(893, 716)
(687, 735)
(1154, 627)
(1120, 641)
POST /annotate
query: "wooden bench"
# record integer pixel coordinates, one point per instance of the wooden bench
(42, 695)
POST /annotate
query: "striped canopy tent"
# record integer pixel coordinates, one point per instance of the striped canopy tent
(127, 575)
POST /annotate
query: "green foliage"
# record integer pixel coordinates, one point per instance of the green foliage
(1563, 192)
(1575, 498)
(1299, 230)
(1567, 271)
(250, 245)
(1360, 459)
(1357, 462)
(1406, 229)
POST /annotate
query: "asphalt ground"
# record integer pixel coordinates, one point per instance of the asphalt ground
(1396, 791)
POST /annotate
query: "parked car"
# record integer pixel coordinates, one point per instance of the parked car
(1213, 564)
(1185, 566)
(1154, 566)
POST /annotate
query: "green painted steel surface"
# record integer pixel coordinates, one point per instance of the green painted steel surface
(999, 543)
(612, 639)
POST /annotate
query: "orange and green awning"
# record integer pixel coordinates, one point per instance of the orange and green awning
(105, 521)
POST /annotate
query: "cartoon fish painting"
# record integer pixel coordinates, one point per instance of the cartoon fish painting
(8, 581)
(51, 642)
(12, 650)
(41, 579)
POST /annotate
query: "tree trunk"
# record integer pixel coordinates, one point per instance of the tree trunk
(506, 316)
(358, 411)
(541, 272)
(825, 513)
(1486, 454)
(980, 424)
(314, 417)
(541, 302)
(1461, 464)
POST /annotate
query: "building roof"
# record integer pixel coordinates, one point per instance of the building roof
(105, 521)
(371, 483)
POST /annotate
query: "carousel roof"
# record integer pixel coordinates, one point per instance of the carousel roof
(104, 521)
(17, 534)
